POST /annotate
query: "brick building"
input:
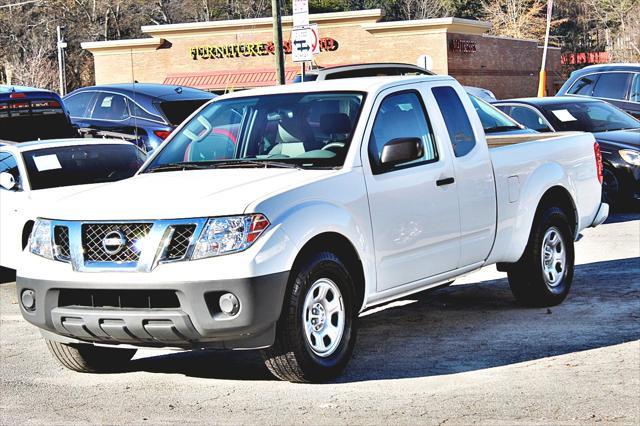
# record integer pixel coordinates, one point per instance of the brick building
(230, 55)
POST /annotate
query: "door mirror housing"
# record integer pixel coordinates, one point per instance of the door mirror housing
(7, 181)
(401, 150)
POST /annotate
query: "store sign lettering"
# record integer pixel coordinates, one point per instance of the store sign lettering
(252, 49)
(462, 46)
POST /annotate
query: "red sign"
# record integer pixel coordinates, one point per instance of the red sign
(585, 58)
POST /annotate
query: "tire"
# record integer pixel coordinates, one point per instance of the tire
(85, 358)
(298, 357)
(610, 187)
(543, 275)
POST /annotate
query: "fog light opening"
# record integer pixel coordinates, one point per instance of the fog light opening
(28, 299)
(229, 304)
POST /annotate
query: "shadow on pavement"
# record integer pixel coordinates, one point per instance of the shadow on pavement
(7, 275)
(623, 216)
(461, 328)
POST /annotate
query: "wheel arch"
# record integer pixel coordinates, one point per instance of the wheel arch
(345, 250)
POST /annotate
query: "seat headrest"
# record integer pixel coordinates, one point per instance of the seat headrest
(333, 123)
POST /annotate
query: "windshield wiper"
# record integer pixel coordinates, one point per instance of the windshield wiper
(221, 164)
(177, 166)
(501, 129)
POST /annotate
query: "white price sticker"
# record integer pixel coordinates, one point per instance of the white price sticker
(564, 115)
(47, 162)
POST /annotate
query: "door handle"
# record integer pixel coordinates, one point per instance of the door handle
(445, 181)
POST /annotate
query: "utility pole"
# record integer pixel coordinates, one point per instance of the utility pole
(61, 45)
(277, 40)
(542, 83)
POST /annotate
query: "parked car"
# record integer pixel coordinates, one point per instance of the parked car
(141, 112)
(617, 133)
(494, 121)
(36, 173)
(337, 196)
(618, 84)
(28, 113)
(379, 70)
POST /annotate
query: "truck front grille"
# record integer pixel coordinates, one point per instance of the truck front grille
(118, 299)
(94, 235)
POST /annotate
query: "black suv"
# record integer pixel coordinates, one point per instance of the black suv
(618, 84)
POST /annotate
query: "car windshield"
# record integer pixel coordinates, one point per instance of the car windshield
(310, 130)
(593, 116)
(493, 120)
(81, 164)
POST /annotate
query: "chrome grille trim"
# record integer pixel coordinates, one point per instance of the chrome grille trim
(61, 249)
(155, 249)
(93, 235)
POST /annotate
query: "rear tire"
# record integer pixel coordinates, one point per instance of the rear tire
(543, 275)
(316, 331)
(85, 358)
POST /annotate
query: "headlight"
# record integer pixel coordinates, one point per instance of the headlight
(40, 239)
(631, 156)
(224, 235)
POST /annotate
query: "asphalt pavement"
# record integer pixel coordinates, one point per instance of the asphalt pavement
(460, 355)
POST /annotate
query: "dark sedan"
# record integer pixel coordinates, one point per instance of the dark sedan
(142, 112)
(617, 132)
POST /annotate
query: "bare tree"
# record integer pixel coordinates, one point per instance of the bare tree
(516, 18)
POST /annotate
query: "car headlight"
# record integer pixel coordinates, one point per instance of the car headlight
(631, 156)
(40, 240)
(224, 235)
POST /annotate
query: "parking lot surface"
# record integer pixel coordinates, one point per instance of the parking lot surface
(458, 355)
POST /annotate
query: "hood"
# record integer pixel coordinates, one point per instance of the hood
(178, 195)
(620, 138)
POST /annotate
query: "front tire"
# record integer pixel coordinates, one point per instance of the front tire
(316, 331)
(85, 358)
(610, 187)
(543, 275)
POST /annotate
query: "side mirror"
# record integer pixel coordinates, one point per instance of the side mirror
(7, 181)
(401, 150)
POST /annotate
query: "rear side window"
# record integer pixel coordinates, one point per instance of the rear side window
(528, 118)
(456, 119)
(612, 85)
(401, 115)
(110, 106)
(9, 165)
(139, 112)
(583, 86)
(78, 104)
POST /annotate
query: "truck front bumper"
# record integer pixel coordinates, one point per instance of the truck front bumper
(183, 314)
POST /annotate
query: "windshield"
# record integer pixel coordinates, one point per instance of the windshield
(79, 165)
(493, 120)
(595, 116)
(302, 129)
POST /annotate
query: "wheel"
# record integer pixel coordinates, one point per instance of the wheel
(543, 275)
(316, 332)
(86, 358)
(610, 186)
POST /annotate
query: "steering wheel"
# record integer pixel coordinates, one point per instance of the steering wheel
(333, 146)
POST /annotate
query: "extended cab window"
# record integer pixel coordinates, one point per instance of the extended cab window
(456, 120)
(401, 116)
(9, 165)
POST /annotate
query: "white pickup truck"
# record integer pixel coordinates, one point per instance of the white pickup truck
(272, 217)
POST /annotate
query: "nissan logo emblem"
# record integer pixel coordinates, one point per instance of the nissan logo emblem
(114, 242)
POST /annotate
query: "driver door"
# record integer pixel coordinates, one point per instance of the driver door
(413, 206)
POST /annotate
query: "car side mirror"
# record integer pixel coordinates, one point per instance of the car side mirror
(401, 150)
(7, 181)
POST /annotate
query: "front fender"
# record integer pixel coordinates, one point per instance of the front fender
(310, 219)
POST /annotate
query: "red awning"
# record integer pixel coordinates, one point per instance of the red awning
(228, 80)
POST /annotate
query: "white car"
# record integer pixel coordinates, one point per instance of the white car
(272, 217)
(33, 173)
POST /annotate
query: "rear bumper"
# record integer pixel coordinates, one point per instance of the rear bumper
(601, 215)
(196, 323)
